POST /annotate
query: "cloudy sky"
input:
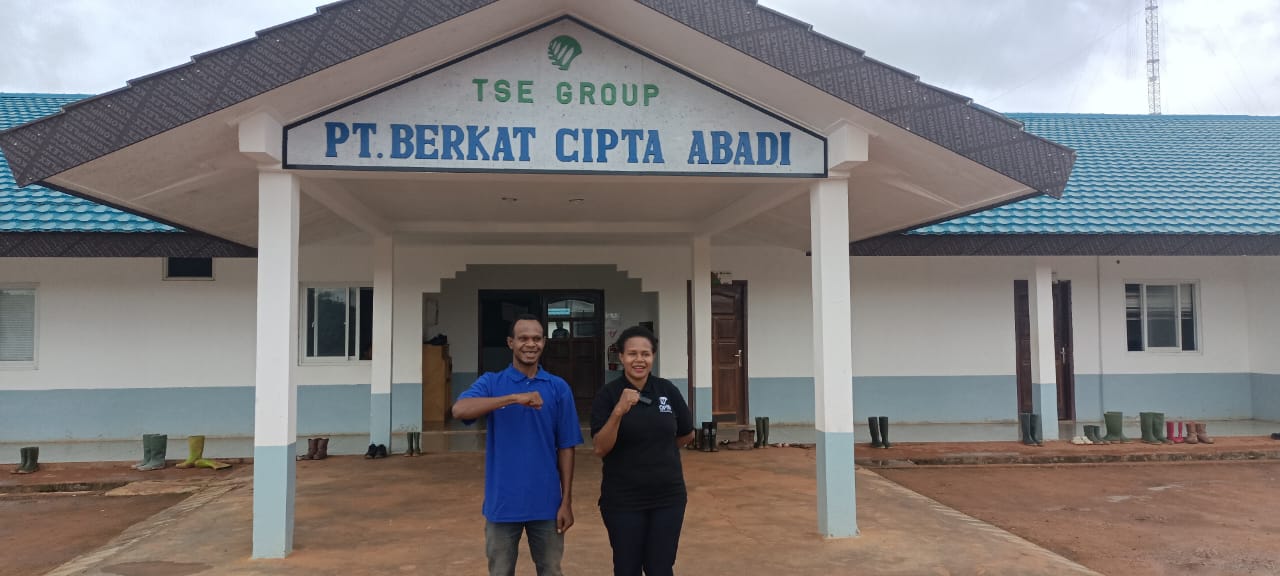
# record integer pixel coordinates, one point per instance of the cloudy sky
(1218, 56)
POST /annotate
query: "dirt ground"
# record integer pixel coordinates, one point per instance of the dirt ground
(42, 531)
(1203, 518)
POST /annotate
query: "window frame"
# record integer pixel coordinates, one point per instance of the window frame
(34, 362)
(1197, 312)
(349, 360)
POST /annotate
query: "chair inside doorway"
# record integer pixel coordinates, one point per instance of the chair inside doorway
(574, 324)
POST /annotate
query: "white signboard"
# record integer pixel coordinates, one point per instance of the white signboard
(562, 98)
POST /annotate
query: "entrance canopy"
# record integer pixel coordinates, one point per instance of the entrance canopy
(744, 106)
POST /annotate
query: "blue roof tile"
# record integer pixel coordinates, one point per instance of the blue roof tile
(1149, 175)
(39, 209)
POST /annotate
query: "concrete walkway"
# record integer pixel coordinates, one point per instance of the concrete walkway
(750, 512)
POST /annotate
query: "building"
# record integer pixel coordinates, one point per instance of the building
(258, 243)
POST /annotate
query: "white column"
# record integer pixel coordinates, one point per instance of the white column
(832, 363)
(1044, 367)
(701, 310)
(380, 379)
(276, 391)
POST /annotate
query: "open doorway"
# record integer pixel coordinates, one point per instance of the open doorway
(574, 324)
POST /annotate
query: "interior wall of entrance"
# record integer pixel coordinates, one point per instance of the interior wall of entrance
(460, 298)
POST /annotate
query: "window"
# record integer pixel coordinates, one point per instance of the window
(338, 323)
(188, 269)
(17, 327)
(1161, 317)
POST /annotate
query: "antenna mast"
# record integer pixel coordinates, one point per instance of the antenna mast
(1153, 57)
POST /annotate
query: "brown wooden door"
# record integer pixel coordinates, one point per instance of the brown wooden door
(1022, 334)
(1063, 353)
(575, 342)
(729, 352)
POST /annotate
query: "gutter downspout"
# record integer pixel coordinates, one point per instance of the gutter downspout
(1102, 409)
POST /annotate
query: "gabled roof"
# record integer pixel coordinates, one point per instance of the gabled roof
(39, 209)
(216, 80)
(1149, 175)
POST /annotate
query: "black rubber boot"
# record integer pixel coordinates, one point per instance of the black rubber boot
(1024, 428)
(766, 431)
(313, 444)
(159, 448)
(26, 457)
(715, 445)
(1036, 438)
(759, 432)
(322, 448)
(706, 437)
(873, 424)
(30, 460)
(408, 441)
(884, 432)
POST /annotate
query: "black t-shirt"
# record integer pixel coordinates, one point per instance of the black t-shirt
(643, 469)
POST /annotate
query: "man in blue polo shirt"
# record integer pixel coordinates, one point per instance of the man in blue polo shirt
(528, 466)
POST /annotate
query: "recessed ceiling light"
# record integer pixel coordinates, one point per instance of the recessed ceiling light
(577, 200)
(510, 199)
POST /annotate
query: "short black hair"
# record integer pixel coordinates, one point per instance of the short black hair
(511, 330)
(636, 332)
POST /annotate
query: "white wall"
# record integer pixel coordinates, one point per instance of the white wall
(779, 307)
(114, 323)
(1224, 315)
(1264, 314)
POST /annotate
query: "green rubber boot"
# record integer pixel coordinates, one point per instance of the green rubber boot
(195, 451)
(159, 447)
(146, 452)
(211, 464)
(1157, 428)
(26, 457)
(1115, 428)
(1145, 418)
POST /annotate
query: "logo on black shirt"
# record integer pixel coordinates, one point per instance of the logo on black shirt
(663, 406)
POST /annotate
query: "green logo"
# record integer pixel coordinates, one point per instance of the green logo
(562, 50)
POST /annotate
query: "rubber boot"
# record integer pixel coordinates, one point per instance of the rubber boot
(195, 451)
(159, 447)
(706, 437)
(322, 448)
(884, 432)
(696, 443)
(1148, 437)
(1091, 432)
(1201, 434)
(1175, 432)
(1024, 428)
(1115, 428)
(313, 445)
(1035, 430)
(873, 424)
(146, 452)
(417, 443)
(715, 444)
(759, 432)
(1170, 432)
(1190, 432)
(26, 457)
(1158, 428)
(371, 452)
(767, 429)
(30, 460)
(408, 441)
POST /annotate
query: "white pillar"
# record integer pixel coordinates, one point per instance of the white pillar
(701, 310)
(1044, 367)
(380, 379)
(832, 363)
(276, 391)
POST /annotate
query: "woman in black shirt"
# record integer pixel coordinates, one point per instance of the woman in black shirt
(639, 422)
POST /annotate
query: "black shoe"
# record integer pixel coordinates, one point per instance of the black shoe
(381, 451)
(1275, 435)
(373, 451)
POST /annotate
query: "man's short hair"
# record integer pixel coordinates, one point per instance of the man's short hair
(511, 330)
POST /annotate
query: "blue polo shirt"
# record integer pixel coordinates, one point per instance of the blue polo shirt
(521, 478)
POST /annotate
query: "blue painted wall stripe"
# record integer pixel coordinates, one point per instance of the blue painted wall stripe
(274, 482)
(837, 508)
(1265, 395)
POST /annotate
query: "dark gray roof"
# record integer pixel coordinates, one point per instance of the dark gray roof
(343, 30)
